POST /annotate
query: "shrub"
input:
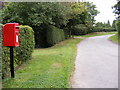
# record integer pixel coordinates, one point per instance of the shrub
(117, 24)
(27, 44)
(101, 29)
(80, 29)
(21, 53)
(5, 62)
(54, 35)
(1, 25)
(66, 32)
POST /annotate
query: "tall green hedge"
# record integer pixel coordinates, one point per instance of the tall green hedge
(0, 51)
(27, 44)
(103, 29)
(117, 24)
(21, 53)
(80, 29)
(54, 35)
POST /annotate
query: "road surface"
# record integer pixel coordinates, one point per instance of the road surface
(96, 64)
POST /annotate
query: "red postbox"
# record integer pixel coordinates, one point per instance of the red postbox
(11, 35)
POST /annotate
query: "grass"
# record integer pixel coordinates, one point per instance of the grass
(96, 34)
(115, 38)
(49, 68)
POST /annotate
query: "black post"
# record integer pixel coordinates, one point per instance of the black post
(11, 62)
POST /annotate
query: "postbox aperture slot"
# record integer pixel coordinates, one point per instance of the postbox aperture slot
(17, 27)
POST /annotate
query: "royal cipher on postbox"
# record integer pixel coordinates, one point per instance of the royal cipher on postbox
(11, 35)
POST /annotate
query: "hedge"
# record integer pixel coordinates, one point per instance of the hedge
(21, 53)
(117, 24)
(80, 29)
(54, 35)
(102, 29)
(0, 51)
(26, 45)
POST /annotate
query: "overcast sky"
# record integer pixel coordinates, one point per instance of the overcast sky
(104, 6)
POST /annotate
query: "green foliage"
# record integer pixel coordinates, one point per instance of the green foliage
(49, 68)
(115, 38)
(117, 9)
(35, 14)
(38, 15)
(5, 62)
(83, 13)
(80, 29)
(91, 12)
(77, 8)
(117, 24)
(103, 27)
(108, 23)
(24, 51)
(113, 24)
(1, 25)
(21, 53)
(78, 14)
(54, 35)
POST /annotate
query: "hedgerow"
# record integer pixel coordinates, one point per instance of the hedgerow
(54, 35)
(117, 24)
(80, 29)
(102, 29)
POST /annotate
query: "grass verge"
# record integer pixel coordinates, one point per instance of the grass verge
(49, 68)
(115, 38)
(96, 34)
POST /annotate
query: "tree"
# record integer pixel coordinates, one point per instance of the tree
(117, 9)
(103, 25)
(113, 24)
(99, 24)
(78, 13)
(83, 13)
(108, 23)
(117, 12)
(92, 12)
(38, 15)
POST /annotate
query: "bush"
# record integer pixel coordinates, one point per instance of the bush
(80, 29)
(54, 35)
(27, 44)
(102, 29)
(5, 62)
(21, 53)
(1, 25)
(117, 24)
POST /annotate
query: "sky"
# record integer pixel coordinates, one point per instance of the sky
(106, 12)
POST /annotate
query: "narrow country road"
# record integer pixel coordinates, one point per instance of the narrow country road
(96, 64)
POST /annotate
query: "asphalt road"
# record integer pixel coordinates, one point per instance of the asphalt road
(96, 64)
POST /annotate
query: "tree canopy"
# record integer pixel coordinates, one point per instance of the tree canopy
(117, 9)
(41, 15)
(36, 13)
